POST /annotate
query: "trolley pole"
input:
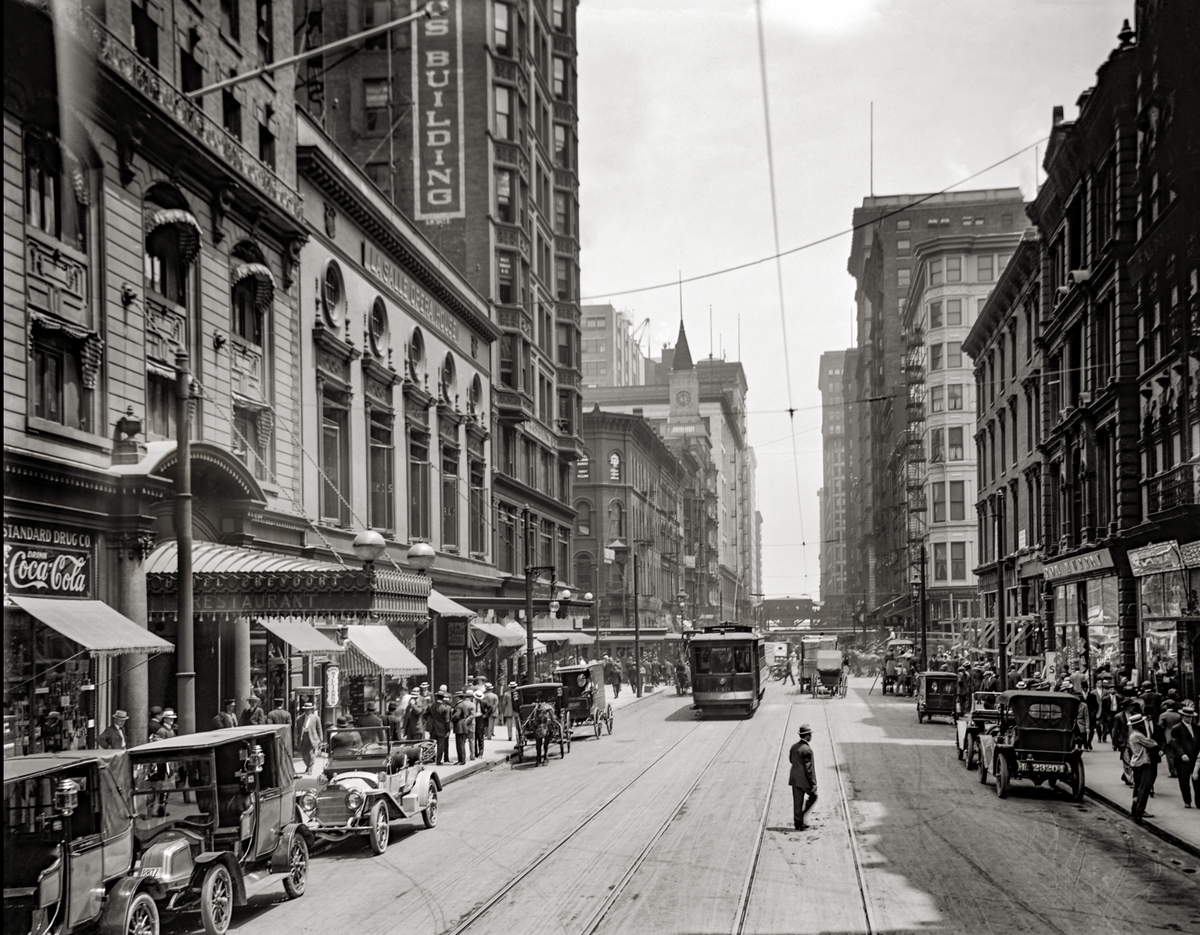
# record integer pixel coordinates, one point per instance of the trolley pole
(185, 677)
(637, 631)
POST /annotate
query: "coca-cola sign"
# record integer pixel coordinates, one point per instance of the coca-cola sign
(47, 561)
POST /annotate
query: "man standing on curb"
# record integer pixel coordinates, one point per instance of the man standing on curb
(1184, 743)
(803, 777)
(1141, 760)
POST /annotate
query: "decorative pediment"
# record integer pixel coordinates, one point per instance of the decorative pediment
(334, 356)
(378, 381)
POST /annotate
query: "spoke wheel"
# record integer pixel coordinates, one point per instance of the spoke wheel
(983, 773)
(1077, 781)
(1002, 776)
(429, 814)
(142, 916)
(608, 721)
(296, 881)
(596, 725)
(380, 828)
(216, 899)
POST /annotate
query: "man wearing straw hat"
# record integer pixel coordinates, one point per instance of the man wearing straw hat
(1184, 741)
(113, 736)
(1141, 760)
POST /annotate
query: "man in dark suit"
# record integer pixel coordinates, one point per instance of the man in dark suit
(113, 736)
(803, 777)
(395, 721)
(438, 716)
(1184, 744)
(226, 718)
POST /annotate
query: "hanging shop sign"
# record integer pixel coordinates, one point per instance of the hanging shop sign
(332, 687)
(44, 560)
(1083, 564)
(1150, 559)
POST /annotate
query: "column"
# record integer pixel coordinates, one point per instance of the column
(239, 687)
(132, 549)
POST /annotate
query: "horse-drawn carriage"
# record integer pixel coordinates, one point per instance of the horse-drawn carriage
(586, 700)
(829, 675)
(542, 719)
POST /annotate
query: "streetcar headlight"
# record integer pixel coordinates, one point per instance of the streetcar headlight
(308, 802)
(354, 800)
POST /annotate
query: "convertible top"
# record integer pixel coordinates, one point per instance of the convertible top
(210, 738)
(41, 764)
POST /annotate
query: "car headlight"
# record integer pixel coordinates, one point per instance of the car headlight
(308, 802)
(354, 800)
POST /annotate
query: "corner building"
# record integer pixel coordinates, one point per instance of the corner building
(467, 121)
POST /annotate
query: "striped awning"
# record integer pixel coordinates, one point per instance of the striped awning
(93, 625)
(502, 634)
(264, 282)
(375, 650)
(514, 627)
(186, 226)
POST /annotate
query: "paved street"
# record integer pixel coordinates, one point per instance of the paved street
(658, 829)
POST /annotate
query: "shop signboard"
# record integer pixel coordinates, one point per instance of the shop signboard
(458, 668)
(1083, 564)
(456, 633)
(47, 560)
(1150, 559)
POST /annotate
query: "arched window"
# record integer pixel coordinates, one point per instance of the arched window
(585, 571)
(448, 378)
(614, 467)
(172, 243)
(253, 291)
(616, 520)
(583, 518)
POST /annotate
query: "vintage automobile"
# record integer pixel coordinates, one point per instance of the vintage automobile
(69, 846)
(1034, 738)
(978, 719)
(936, 695)
(525, 700)
(366, 782)
(587, 701)
(214, 815)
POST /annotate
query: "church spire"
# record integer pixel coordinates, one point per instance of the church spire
(683, 354)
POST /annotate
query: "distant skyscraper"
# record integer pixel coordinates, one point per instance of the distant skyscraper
(833, 481)
(611, 356)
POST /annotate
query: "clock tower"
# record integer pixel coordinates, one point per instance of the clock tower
(684, 383)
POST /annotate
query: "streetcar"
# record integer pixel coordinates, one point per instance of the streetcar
(729, 669)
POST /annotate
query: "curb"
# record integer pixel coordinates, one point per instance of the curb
(471, 770)
(1153, 828)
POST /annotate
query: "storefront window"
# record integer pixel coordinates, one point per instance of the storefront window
(1162, 598)
(1102, 620)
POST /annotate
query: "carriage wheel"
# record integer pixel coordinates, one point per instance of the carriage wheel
(608, 720)
(596, 723)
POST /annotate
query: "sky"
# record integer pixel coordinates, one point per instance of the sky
(674, 176)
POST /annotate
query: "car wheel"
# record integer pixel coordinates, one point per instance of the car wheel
(1077, 782)
(429, 813)
(296, 881)
(983, 773)
(141, 918)
(216, 899)
(970, 752)
(596, 724)
(958, 746)
(608, 721)
(381, 828)
(919, 715)
(1002, 776)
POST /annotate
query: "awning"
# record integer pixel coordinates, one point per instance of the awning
(93, 625)
(264, 282)
(504, 636)
(372, 650)
(513, 627)
(185, 225)
(445, 607)
(566, 636)
(299, 635)
(231, 581)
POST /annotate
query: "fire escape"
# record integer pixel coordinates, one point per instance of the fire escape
(914, 442)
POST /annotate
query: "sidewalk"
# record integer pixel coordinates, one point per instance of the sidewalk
(1172, 822)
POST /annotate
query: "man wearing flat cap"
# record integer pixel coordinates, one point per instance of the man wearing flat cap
(113, 736)
(226, 718)
(803, 777)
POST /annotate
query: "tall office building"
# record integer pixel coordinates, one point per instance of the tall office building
(612, 354)
(467, 121)
(832, 494)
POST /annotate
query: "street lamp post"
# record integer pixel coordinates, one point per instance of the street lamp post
(924, 615)
(637, 632)
(530, 570)
(185, 676)
(421, 556)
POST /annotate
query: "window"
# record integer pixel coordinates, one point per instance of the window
(561, 88)
(1006, 219)
(958, 561)
(936, 451)
(477, 508)
(953, 269)
(380, 174)
(565, 357)
(935, 272)
(248, 443)
(335, 462)
(166, 272)
(160, 407)
(957, 503)
(939, 561)
(954, 396)
(375, 104)
(939, 501)
(936, 399)
(558, 15)
(59, 393)
(144, 32)
(953, 354)
(614, 467)
(502, 30)
(562, 151)
(504, 203)
(903, 277)
(52, 200)
(616, 521)
(935, 314)
(265, 32)
(562, 286)
(266, 146)
(381, 482)
(954, 447)
(504, 278)
(1105, 205)
(954, 312)
(231, 114)
(983, 268)
(191, 75)
(935, 357)
(562, 214)
(418, 485)
(247, 318)
(229, 19)
(903, 247)
(376, 13)
(449, 496)
(504, 121)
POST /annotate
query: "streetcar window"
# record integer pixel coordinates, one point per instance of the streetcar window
(743, 659)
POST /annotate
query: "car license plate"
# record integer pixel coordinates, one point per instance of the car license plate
(151, 871)
(1046, 767)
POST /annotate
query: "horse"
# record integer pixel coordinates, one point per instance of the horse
(542, 717)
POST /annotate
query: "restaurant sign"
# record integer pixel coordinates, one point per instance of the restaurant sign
(43, 560)
(1083, 564)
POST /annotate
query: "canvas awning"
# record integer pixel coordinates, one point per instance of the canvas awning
(504, 636)
(375, 650)
(299, 635)
(264, 282)
(186, 226)
(565, 636)
(513, 627)
(94, 625)
(445, 607)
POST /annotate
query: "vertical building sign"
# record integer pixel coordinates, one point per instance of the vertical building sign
(438, 156)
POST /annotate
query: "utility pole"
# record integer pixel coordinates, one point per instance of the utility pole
(924, 616)
(637, 631)
(528, 601)
(1001, 620)
(185, 677)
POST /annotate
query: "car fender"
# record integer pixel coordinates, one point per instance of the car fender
(435, 779)
(281, 860)
(205, 858)
(116, 903)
